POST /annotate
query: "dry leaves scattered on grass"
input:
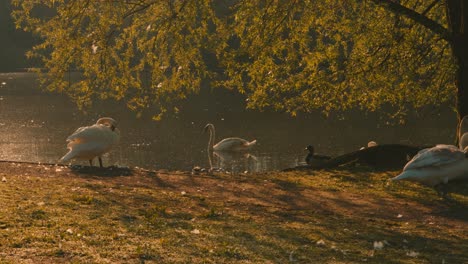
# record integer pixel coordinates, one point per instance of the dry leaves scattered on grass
(56, 214)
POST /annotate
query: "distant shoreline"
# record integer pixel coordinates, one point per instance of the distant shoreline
(17, 70)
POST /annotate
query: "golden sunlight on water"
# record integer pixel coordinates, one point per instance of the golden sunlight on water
(34, 126)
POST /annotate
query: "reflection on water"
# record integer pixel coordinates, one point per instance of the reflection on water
(34, 126)
(234, 162)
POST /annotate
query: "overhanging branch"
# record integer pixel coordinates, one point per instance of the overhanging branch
(430, 24)
(429, 7)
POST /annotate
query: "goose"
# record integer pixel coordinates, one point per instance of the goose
(227, 144)
(92, 141)
(313, 159)
(436, 165)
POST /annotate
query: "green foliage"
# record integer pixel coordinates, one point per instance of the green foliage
(293, 56)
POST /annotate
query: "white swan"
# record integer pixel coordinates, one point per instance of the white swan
(462, 127)
(463, 141)
(235, 161)
(433, 166)
(462, 130)
(227, 144)
(92, 141)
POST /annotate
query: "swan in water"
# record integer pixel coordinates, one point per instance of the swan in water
(315, 159)
(227, 144)
(234, 161)
(92, 141)
(436, 165)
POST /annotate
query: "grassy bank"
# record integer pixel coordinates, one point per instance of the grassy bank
(54, 214)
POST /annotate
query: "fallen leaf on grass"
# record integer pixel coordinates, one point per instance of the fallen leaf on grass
(378, 245)
(412, 254)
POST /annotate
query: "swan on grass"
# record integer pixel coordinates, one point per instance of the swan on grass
(436, 165)
(89, 142)
(227, 144)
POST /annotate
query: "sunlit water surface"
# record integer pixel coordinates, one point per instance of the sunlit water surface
(34, 126)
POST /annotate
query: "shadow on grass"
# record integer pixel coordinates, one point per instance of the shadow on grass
(277, 220)
(111, 171)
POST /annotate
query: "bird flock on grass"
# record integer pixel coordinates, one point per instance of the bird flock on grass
(431, 166)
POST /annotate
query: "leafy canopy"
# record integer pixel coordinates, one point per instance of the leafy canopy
(293, 56)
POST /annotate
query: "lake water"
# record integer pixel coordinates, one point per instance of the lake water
(34, 126)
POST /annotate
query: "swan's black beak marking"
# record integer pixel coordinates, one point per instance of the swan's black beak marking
(112, 127)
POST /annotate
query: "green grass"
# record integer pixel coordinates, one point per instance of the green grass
(295, 217)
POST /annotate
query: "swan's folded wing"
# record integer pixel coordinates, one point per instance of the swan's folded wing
(231, 143)
(438, 146)
(443, 146)
(89, 133)
(437, 156)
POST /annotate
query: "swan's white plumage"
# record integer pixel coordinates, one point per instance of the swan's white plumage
(234, 144)
(463, 141)
(92, 141)
(437, 156)
(436, 165)
(440, 164)
(463, 127)
(228, 144)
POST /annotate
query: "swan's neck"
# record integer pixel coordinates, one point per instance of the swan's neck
(209, 152)
(212, 138)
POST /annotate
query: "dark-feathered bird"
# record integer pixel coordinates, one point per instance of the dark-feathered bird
(313, 159)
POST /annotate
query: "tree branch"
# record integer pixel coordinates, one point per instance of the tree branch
(429, 7)
(416, 17)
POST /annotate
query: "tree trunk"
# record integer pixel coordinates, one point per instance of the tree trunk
(457, 18)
